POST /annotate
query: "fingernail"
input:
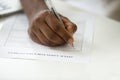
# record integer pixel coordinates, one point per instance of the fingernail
(70, 41)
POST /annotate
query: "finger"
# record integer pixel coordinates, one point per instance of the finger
(51, 35)
(56, 26)
(33, 37)
(42, 37)
(70, 26)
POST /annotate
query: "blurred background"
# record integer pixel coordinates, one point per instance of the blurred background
(108, 8)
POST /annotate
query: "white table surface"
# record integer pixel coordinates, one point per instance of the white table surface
(104, 62)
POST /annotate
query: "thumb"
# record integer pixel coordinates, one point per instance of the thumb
(70, 27)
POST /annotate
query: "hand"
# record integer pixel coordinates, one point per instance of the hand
(46, 29)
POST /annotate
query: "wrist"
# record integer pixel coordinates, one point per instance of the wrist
(42, 5)
(33, 7)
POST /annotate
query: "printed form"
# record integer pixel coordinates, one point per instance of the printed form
(15, 42)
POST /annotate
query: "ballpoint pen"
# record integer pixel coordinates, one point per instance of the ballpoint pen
(52, 8)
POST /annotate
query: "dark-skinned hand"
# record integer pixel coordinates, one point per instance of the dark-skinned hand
(46, 29)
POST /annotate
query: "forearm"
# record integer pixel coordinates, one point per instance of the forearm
(32, 7)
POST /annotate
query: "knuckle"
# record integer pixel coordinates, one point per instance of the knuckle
(52, 37)
(56, 27)
(66, 38)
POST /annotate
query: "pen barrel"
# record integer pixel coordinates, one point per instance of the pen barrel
(33, 7)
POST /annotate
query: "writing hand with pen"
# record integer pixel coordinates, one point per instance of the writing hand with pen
(45, 28)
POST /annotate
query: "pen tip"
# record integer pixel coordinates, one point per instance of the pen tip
(72, 45)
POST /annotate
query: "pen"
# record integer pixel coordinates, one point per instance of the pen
(59, 18)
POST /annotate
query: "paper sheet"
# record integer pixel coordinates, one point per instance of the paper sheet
(7, 7)
(15, 42)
